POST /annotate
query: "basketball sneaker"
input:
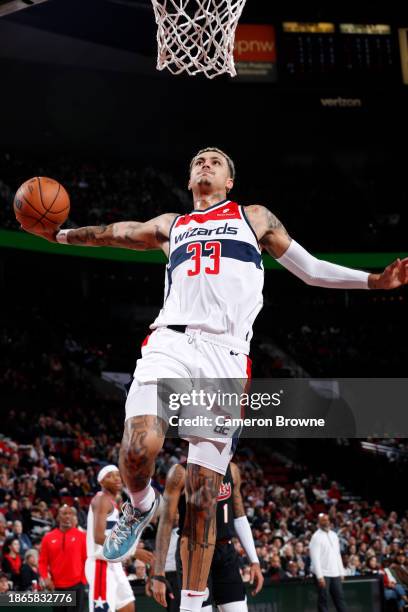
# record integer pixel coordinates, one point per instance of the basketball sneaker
(125, 535)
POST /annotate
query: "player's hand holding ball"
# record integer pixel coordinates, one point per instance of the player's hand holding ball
(41, 206)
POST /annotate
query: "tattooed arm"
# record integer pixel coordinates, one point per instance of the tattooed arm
(168, 514)
(243, 531)
(237, 502)
(273, 237)
(271, 234)
(153, 234)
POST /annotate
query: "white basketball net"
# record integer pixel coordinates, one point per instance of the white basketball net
(197, 35)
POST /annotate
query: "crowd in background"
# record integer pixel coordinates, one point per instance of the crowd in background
(108, 191)
(282, 502)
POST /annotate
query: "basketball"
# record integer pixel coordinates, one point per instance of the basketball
(41, 205)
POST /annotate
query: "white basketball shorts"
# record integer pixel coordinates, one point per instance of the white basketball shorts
(191, 355)
(107, 583)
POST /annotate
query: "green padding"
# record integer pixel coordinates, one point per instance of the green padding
(28, 242)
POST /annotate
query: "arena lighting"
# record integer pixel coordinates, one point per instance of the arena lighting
(12, 6)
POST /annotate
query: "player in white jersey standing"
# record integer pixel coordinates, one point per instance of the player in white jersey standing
(109, 587)
(213, 294)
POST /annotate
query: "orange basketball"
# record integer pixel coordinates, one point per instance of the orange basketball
(41, 204)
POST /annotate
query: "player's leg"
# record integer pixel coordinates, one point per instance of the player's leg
(208, 460)
(142, 440)
(130, 607)
(121, 595)
(90, 577)
(228, 587)
(234, 606)
(199, 532)
(100, 584)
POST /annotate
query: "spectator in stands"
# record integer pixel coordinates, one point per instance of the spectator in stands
(4, 583)
(301, 559)
(63, 556)
(26, 507)
(400, 569)
(140, 573)
(353, 566)
(29, 570)
(3, 531)
(372, 566)
(393, 591)
(13, 513)
(24, 540)
(292, 570)
(275, 571)
(12, 560)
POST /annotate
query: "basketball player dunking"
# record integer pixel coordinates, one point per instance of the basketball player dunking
(213, 294)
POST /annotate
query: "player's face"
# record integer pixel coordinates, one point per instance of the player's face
(210, 173)
(113, 482)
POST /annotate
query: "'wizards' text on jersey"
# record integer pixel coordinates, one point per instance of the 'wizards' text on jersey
(215, 274)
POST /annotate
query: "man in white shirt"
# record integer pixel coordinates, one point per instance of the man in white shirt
(327, 566)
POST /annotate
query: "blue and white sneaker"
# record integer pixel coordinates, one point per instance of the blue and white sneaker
(125, 535)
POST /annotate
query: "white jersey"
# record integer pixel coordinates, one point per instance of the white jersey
(93, 549)
(214, 278)
(109, 587)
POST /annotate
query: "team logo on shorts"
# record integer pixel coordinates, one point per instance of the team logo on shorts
(224, 492)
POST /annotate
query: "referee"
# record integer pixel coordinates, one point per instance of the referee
(327, 566)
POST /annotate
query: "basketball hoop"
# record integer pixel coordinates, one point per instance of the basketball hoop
(197, 36)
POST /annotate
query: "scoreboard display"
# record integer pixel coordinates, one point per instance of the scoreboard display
(308, 50)
(336, 54)
(367, 51)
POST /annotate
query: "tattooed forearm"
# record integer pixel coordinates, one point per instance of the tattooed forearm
(199, 532)
(127, 234)
(153, 234)
(237, 501)
(98, 235)
(168, 513)
(163, 538)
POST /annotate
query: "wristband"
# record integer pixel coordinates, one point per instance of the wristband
(62, 236)
(164, 580)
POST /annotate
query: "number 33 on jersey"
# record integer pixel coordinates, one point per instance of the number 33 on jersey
(214, 278)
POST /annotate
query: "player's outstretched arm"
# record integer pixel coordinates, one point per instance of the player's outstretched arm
(136, 235)
(273, 237)
(175, 482)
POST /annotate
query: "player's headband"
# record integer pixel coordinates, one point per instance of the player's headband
(105, 471)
